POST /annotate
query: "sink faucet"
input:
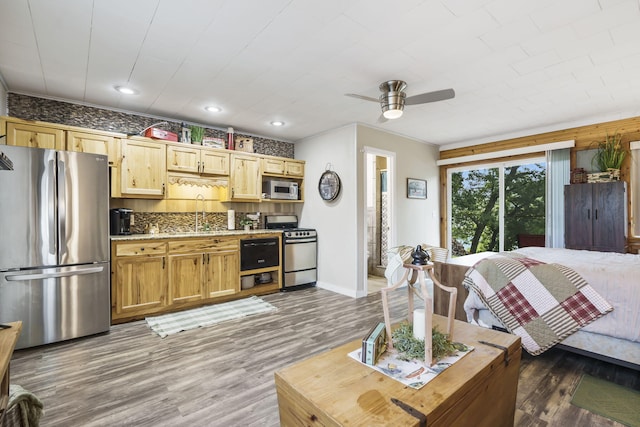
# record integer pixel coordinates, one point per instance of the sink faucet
(199, 197)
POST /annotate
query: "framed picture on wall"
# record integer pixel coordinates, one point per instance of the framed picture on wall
(416, 188)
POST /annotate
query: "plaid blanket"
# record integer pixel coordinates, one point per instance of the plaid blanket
(542, 303)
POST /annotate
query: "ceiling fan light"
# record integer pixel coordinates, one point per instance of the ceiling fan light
(392, 114)
(392, 104)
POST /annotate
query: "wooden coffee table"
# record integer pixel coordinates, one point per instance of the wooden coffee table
(8, 339)
(332, 389)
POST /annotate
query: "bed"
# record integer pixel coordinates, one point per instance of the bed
(614, 337)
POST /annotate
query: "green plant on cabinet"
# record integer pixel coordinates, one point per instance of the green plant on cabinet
(610, 153)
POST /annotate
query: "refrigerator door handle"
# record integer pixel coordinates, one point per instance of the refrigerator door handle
(40, 276)
(62, 210)
(51, 209)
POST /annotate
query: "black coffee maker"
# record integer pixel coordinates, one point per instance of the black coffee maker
(120, 219)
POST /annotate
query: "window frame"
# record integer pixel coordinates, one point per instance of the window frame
(500, 165)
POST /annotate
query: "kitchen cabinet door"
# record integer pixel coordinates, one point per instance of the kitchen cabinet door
(273, 166)
(203, 268)
(36, 136)
(214, 163)
(183, 159)
(222, 273)
(143, 169)
(84, 142)
(186, 273)
(282, 167)
(294, 168)
(245, 178)
(139, 286)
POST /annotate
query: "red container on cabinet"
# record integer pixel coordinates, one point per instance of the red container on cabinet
(161, 134)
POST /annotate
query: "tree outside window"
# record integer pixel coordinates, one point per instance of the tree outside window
(477, 224)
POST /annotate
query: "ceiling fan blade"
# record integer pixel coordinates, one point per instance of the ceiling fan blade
(366, 98)
(423, 98)
(382, 119)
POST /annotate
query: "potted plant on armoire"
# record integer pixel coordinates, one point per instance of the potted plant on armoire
(609, 155)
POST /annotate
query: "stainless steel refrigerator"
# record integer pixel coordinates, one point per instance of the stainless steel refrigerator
(54, 244)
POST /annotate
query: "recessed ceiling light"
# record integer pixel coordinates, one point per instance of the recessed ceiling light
(126, 90)
(277, 123)
(213, 109)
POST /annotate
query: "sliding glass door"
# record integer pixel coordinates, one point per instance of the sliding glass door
(497, 207)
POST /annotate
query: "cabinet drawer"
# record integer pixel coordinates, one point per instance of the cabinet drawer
(205, 245)
(141, 248)
(294, 168)
(273, 166)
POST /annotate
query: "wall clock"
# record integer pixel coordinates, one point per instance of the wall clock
(329, 185)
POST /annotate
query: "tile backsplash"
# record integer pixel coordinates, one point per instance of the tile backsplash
(180, 222)
(66, 113)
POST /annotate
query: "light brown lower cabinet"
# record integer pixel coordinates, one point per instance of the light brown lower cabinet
(185, 277)
(138, 279)
(150, 277)
(222, 273)
(201, 269)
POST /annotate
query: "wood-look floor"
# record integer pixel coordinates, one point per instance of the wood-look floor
(375, 283)
(223, 375)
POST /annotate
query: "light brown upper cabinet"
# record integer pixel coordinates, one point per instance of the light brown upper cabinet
(190, 159)
(245, 182)
(96, 143)
(282, 167)
(143, 169)
(25, 134)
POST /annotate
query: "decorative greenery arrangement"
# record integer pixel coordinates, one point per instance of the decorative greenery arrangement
(410, 347)
(610, 153)
(197, 132)
(246, 221)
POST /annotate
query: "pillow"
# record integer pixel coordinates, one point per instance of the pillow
(435, 253)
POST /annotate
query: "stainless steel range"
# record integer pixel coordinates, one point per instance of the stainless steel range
(299, 251)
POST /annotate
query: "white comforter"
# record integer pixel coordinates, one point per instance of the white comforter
(616, 277)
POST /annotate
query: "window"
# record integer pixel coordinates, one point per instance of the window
(493, 207)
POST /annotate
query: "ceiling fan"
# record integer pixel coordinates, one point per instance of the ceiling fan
(393, 98)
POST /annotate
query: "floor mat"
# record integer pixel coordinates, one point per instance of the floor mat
(610, 400)
(172, 323)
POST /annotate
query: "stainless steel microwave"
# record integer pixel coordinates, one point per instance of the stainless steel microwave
(280, 190)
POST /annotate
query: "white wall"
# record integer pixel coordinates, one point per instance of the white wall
(335, 221)
(417, 220)
(341, 223)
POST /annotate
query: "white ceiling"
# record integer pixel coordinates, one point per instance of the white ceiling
(517, 66)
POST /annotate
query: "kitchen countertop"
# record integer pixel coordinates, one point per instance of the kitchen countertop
(192, 234)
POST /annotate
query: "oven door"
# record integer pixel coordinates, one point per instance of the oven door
(300, 254)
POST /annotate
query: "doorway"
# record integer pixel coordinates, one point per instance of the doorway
(378, 211)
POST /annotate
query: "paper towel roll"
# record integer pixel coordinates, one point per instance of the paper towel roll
(418, 323)
(231, 219)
